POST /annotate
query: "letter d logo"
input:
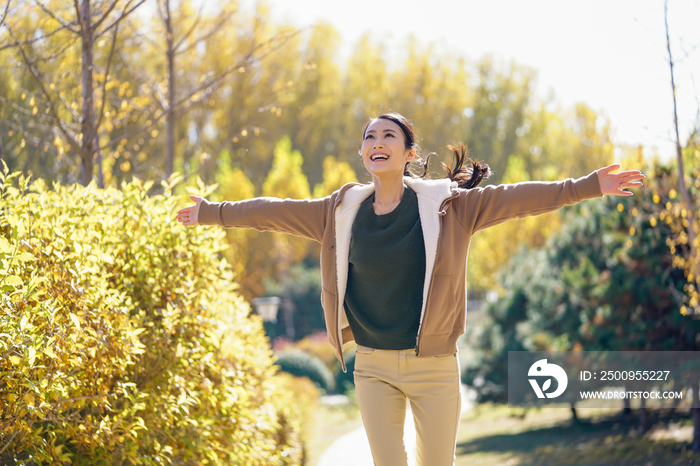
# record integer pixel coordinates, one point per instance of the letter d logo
(542, 368)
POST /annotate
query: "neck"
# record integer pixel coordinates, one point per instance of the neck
(387, 193)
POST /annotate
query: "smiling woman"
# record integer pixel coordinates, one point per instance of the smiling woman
(390, 144)
(393, 273)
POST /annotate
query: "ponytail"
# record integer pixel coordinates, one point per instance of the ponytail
(466, 177)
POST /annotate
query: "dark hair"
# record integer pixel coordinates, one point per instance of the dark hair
(466, 177)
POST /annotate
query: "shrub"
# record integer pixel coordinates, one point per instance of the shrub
(122, 340)
(298, 401)
(301, 364)
(315, 344)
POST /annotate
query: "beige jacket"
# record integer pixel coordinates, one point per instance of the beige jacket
(449, 216)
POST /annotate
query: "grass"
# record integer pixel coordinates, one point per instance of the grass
(498, 435)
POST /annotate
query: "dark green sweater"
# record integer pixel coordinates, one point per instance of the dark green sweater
(385, 277)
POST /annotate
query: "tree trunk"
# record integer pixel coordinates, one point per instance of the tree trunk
(628, 409)
(644, 416)
(171, 121)
(100, 174)
(88, 123)
(695, 408)
(574, 417)
(685, 197)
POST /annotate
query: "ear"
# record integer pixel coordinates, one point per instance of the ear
(411, 155)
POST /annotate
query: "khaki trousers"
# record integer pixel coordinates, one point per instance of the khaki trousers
(384, 380)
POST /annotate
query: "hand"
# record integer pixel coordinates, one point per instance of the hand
(189, 216)
(616, 183)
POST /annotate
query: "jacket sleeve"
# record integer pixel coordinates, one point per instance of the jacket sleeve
(491, 205)
(300, 217)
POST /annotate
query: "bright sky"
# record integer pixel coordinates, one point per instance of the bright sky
(610, 54)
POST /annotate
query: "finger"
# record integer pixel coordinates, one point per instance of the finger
(628, 173)
(611, 168)
(194, 198)
(633, 177)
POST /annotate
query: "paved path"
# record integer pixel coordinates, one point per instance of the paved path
(352, 449)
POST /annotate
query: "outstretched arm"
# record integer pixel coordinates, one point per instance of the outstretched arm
(485, 207)
(616, 183)
(301, 217)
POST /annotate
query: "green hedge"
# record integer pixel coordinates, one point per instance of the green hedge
(301, 364)
(122, 340)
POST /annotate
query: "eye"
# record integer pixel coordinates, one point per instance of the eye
(369, 136)
(390, 134)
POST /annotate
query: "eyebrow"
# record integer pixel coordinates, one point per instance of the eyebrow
(372, 131)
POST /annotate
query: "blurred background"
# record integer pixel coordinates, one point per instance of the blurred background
(268, 99)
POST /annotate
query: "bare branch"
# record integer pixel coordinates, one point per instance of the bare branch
(154, 43)
(66, 104)
(30, 125)
(4, 14)
(37, 146)
(56, 54)
(160, 10)
(97, 23)
(160, 97)
(79, 15)
(30, 41)
(215, 83)
(104, 82)
(35, 73)
(206, 36)
(17, 107)
(121, 17)
(21, 129)
(9, 442)
(63, 22)
(685, 196)
(192, 27)
(133, 133)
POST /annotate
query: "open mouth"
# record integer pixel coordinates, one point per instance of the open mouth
(374, 157)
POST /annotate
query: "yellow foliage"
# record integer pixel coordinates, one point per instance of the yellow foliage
(491, 249)
(124, 341)
(335, 175)
(286, 177)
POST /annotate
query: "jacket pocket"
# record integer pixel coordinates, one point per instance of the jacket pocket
(440, 319)
(364, 350)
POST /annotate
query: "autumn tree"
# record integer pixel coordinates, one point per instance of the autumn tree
(82, 23)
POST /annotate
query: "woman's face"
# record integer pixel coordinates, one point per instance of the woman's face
(384, 148)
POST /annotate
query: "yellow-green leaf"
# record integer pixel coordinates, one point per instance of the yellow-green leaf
(75, 319)
(23, 323)
(32, 355)
(13, 280)
(15, 360)
(25, 256)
